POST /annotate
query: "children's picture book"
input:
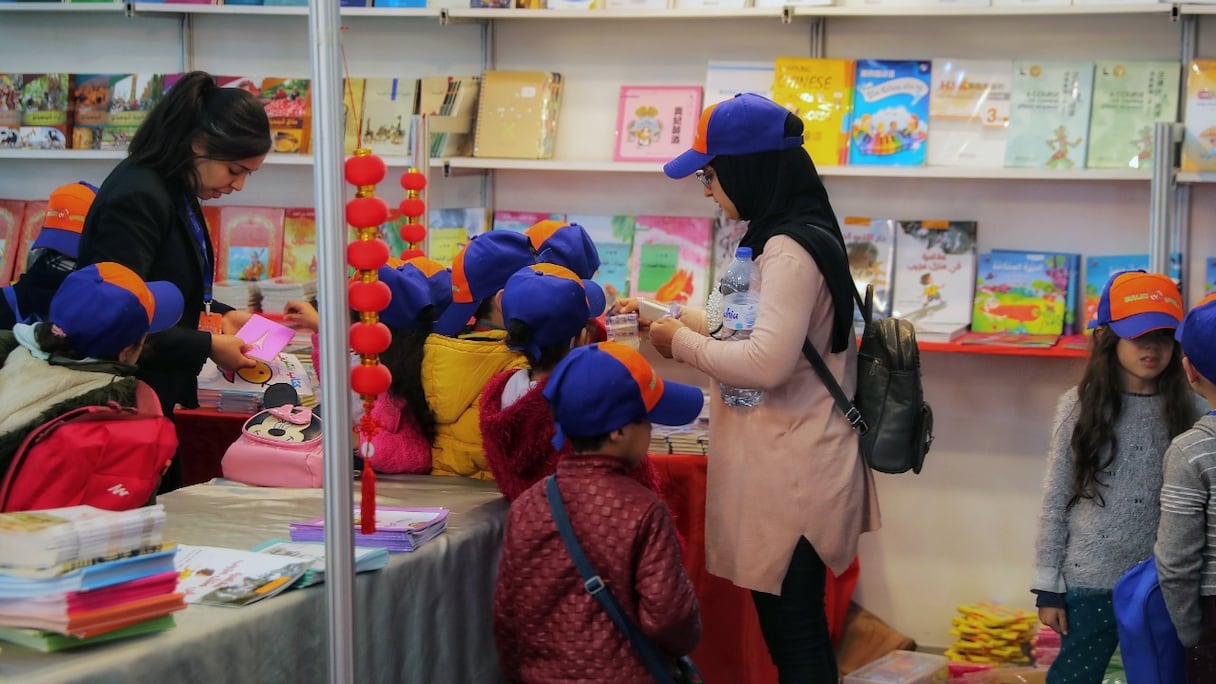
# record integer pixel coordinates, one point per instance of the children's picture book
(820, 92)
(1099, 268)
(890, 122)
(397, 528)
(12, 218)
(215, 385)
(613, 238)
(671, 258)
(519, 221)
(132, 96)
(45, 120)
(1049, 114)
(1199, 142)
(31, 226)
(726, 78)
(352, 112)
(655, 123)
(935, 276)
(451, 228)
(36, 540)
(517, 113)
(388, 111)
(870, 244)
(1129, 97)
(367, 559)
(969, 111)
(1021, 293)
(726, 235)
(300, 244)
(10, 110)
(231, 577)
(91, 100)
(251, 243)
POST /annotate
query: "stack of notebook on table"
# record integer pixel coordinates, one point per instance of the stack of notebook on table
(81, 575)
(691, 439)
(397, 529)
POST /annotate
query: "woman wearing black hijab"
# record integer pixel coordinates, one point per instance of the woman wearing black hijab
(788, 493)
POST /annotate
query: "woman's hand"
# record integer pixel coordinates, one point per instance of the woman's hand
(236, 319)
(228, 352)
(301, 315)
(662, 332)
(1055, 618)
(628, 305)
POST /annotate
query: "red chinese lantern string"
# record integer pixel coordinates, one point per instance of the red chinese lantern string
(412, 208)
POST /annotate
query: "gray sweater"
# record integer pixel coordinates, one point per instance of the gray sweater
(1186, 540)
(1090, 546)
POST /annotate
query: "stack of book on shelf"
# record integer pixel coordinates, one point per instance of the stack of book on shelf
(274, 294)
(691, 439)
(366, 558)
(397, 528)
(81, 575)
(241, 391)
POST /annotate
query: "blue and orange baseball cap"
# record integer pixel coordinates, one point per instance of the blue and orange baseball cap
(1197, 335)
(105, 307)
(565, 244)
(745, 124)
(1134, 303)
(422, 291)
(603, 387)
(66, 210)
(550, 300)
(481, 268)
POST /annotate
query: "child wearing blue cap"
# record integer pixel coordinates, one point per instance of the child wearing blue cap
(84, 354)
(1186, 536)
(604, 398)
(1103, 478)
(545, 308)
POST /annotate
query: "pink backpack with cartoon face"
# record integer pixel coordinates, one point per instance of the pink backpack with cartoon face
(279, 446)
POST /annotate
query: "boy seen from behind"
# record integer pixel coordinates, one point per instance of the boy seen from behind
(547, 627)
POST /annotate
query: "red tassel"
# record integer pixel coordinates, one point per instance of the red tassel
(367, 500)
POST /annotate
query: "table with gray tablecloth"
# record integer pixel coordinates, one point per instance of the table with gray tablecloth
(425, 618)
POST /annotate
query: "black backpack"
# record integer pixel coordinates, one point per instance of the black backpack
(889, 411)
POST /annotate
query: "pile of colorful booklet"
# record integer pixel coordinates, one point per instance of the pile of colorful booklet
(81, 575)
(397, 528)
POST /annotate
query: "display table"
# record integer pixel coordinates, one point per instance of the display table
(425, 618)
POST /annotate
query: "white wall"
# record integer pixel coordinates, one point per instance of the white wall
(963, 530)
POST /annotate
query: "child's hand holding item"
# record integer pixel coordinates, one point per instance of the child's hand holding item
(301, 315)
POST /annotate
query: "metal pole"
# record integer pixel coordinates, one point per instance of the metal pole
(324, 25)
(1160, 195)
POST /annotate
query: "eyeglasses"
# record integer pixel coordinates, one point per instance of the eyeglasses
(706, 177)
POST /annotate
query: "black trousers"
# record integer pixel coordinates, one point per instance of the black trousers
(795, 624)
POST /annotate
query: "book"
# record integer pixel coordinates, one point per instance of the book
(31, 226)
(613, 238)
(389, 105)
(12, 218)
(517, 114)
(67, 603)
(241, 391)
(519, 221)
(726, 78)
(51, 642)
(367, 559)
(1099, 268)
(820, 92)
(1049, 114)
(398, 529)
(216, 576)
(289, 107)
(1209, 276)
(1021, 293)
(671, 258)
(46, 122)
(1199, 141)
(890, 119)
(131, 97)
(451, 228)
(450, 103)
(10, 110)
(1004, 339)
(25, 581)
(934, 279)
(1129, 97)
(41, 539)
(352, 113)
(655, 123)
(91, 99)
(10, 572)
(969, 111)
(299, 261)
(264, 337)
(251, 243)
(870, 245)
(91, 623)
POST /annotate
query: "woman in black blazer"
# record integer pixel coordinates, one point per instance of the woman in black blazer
(199, 142)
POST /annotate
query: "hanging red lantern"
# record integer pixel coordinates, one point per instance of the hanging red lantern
(413, 207)
(370, 338)
(367, 255)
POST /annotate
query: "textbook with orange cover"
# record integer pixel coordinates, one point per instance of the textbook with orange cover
(289, 106)
(251, 243)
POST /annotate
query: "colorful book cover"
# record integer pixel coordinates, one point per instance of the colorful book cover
(12, 217)
(46, 119)
(613, 238)
(289, 106)
(1021, 293)
(820, 92)
(1209, 276)
(727, 234)
(230, 577)
(132, 96)
(1199, 143)
(300, 244)
(352, 112)
(1129, 97)
(251, 243)
(671, 258)
(890, 113)
(969, 111)
(726, 78)
(519, 221)
(10, 110)
(1074, 321)
(450, 229)
(31, 225)
(655, 123)
(517, 114)
(389, 105)
(91, 98)
(1049, 114)
(1098, 270)
(934, 274)
(870, 244)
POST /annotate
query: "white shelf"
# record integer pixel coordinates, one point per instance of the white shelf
(63, 7)
(984, 173)
(1197, 9)
(77, 155)
(610, 14)
(1196, 177)
(983, 11)
(302, 11)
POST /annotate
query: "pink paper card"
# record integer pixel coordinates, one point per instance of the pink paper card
(265, 337)
(656, 123)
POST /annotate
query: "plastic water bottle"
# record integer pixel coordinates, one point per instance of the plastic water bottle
(740, 300)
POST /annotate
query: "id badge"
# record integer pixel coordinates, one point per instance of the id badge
(211, 322)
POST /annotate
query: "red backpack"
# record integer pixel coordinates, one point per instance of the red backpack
(110, 456)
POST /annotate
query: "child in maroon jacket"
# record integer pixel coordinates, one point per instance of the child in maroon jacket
(547, 627)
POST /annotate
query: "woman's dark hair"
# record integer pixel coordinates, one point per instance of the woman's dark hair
(585, 444)
(403, 358)
(519, 334)
(1100, 402)
(229, 124)
(54, 345)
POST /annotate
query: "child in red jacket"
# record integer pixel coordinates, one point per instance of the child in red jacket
(547, 627)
